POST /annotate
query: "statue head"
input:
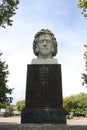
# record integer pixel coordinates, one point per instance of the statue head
(45, 44)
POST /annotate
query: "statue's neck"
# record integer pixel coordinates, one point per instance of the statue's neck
(45, 57)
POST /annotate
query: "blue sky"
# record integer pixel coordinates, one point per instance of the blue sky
(65, 20)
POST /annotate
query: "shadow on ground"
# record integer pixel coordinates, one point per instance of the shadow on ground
(78, 127)
(8, 126)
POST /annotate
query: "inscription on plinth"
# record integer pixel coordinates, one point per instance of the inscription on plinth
(44, 86)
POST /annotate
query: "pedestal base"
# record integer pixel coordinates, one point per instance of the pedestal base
(43, 127)
(44, 116)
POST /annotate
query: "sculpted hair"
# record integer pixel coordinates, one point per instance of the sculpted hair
(45, 31)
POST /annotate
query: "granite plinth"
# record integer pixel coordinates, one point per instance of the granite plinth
(47, 116)
(44, 103)
(43, 127)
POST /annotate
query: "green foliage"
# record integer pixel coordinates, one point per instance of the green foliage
(76, 103)
(83, 5)
(10, 109)
(7, 10)
(4, 90)
(20, 105)
(84, 75)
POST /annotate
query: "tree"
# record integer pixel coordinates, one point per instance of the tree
(4, 89)
(76, 103)
(84, 75)
(20, 105)
(83, 5)
(69, 103)
(7, 10)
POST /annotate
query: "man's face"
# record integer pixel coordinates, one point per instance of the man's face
(44, 45)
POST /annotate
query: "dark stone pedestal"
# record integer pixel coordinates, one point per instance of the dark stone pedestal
(44, 102)
(49, 116)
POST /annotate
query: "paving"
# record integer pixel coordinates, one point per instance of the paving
(78, 123)
(10, 123)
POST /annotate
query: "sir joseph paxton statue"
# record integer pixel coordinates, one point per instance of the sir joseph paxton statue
(44, 47)
(43, 102)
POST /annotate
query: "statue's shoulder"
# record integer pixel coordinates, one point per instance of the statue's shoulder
(44, 61)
